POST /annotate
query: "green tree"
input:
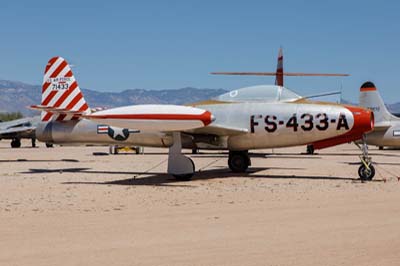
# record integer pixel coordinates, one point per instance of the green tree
(10, 116)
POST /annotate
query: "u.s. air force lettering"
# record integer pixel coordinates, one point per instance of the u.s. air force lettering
(119, 134)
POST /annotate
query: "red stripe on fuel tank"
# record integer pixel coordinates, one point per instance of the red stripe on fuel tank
(205, 117)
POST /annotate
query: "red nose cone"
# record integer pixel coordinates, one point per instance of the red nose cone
(363, 120)
(363, 123)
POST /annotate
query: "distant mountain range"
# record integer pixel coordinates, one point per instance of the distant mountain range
(16, 96)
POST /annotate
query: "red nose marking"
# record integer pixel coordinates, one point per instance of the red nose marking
(363, 123)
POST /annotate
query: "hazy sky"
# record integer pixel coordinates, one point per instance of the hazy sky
(117, 45)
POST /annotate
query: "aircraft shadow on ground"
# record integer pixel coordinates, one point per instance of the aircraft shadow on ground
(161, 179)
(225, 155)
(38, 161)
(372, 154)
(373, 162)
(261, 155)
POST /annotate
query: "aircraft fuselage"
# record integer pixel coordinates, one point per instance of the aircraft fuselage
(267, 124)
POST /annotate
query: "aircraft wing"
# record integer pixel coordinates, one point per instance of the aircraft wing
(27, 124)
(15, 123)
(382, 126)
(219, 130)
(20, 129)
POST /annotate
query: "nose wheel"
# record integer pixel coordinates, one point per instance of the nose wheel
(366, 171)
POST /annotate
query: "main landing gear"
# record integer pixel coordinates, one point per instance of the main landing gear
(179, 165)
(16, 143)
(182, 167)
(366, 171)
(239, 161)
(310, 149)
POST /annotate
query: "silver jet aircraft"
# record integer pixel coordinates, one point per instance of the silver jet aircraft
(23, 128)
(250, 118)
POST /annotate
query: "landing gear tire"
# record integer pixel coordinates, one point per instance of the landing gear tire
(186, 177)
(15, 143)
(239, 161)
(366, 174)
(310, 149)
(366, 171)
(49, 145)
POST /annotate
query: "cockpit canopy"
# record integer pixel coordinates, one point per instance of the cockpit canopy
(261, 93)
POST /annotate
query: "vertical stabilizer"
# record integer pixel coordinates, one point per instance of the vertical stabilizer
(279, 69)
(61, 91)
(371, 99)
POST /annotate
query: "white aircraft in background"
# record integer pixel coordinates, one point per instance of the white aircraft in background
(387, 126)
(256, 117)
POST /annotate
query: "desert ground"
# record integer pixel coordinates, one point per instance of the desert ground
(67, 206)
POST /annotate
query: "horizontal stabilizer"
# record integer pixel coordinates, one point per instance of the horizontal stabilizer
(56, 110)
(292, 74)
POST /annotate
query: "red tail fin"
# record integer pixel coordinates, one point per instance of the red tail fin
(279, 69)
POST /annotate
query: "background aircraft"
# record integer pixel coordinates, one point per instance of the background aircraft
(279, 74)
(18, 129)
(249, 118)
(387, 126)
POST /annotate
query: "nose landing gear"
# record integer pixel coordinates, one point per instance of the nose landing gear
(366, 171)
